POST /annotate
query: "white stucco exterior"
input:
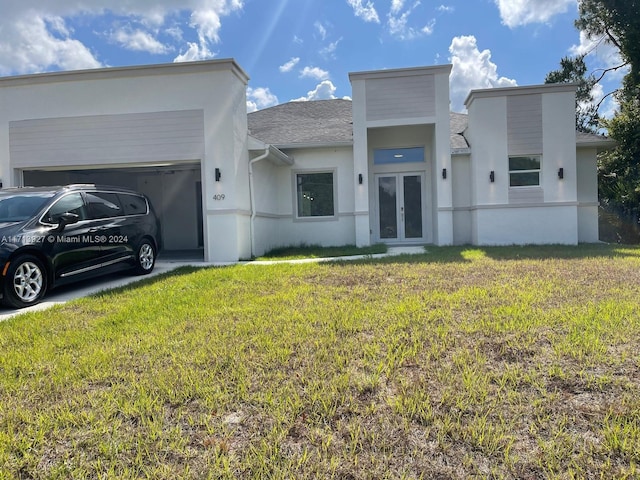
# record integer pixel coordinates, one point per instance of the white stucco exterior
(166, 129)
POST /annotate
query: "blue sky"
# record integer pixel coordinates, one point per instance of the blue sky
(304, 49)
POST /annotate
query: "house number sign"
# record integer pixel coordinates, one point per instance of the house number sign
(218, 196)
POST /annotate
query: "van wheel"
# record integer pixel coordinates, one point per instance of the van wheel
(25, 283)
(145, 258)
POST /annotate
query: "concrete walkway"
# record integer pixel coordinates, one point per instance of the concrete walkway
(82, 289)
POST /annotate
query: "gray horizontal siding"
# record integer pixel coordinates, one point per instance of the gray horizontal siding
(105, 139)
(526, 195)
(524, 124)
(402, 97)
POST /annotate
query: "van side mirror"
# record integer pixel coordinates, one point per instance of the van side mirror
(65, 219)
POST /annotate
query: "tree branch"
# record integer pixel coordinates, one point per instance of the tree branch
(604, 98)
(610, 69)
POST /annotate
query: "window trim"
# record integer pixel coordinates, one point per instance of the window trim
(294, 181)
(537, 170)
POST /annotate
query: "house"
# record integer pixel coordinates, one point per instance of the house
(393, 165)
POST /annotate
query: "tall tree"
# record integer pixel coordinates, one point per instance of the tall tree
(616, 22)
(574, 70)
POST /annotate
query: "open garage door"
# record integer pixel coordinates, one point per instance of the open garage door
(174, 190)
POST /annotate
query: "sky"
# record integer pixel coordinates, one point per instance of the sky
(304, 49)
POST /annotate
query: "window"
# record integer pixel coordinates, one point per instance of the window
(383, 156)
(133, 204)
(314, 192)
(71, 203)
(103, 205)
(524, 171)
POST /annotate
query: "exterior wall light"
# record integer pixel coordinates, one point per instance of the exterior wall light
(561, 173)
(360, 178)
(218, 174)
(444, 173)
(492, 176)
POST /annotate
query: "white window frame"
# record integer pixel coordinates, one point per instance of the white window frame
(537, 170)
(303, 218)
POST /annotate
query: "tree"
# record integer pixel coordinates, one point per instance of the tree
(574, 70)
(616, 22)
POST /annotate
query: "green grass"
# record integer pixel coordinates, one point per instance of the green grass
(517, 362)
(316, 251)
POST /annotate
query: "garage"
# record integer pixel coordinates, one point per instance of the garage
(174, 189)
(176, 132)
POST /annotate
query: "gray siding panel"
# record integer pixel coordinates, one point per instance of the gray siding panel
(402, 97)
(524, 124)
(107, 139)
(526, 195)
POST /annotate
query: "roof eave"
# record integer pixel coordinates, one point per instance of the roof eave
(603, 144)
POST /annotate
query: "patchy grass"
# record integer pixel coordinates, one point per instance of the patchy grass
(316, 251)
(463, 362)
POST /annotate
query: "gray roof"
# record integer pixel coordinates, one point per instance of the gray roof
(321, 122)
(584, 139)
(303, 123)
(458, 123)
(327, 122)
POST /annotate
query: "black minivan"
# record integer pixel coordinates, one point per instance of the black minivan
(50, 236)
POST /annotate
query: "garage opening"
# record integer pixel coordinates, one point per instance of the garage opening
(174, 190)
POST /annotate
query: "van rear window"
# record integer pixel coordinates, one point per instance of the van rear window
(133, 204)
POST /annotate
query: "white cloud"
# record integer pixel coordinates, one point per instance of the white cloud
(472, 69)
(515, 13)
(175, 33)
(428, 28)
(259, 98)
(194, 52)
(287, 67)
(396, 6)
(321, 30)
(325, 90)
(399, 24)
(28, 45)
(138, 40)
(330, 50)
(34, 36)
(446, 9)
(314, 72)
(366, 12)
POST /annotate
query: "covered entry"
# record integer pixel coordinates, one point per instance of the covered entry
(175, 190)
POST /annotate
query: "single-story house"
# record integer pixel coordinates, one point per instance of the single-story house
(392, 165)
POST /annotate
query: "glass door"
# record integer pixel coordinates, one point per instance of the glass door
(400, 206)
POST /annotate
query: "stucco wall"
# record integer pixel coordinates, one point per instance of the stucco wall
(276, 224)
(502, 214)
(526, 225)
(461, 179)
(587, 180)
(414, 98)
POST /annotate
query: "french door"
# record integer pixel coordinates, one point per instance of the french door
(401, 210)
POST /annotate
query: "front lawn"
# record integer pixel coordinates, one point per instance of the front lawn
(462, 362)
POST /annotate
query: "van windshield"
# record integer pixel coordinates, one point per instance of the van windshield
(18, 207)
